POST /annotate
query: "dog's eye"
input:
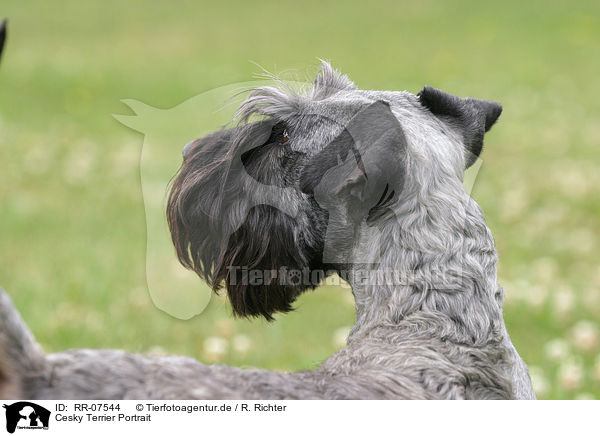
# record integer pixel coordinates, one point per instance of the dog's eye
(279, 134)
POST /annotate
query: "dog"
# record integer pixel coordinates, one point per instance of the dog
(330, 180)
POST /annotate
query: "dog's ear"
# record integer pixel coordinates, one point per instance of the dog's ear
(2, 36)
(235, 230)
(471, 116)
(357, 176)
(371, 148)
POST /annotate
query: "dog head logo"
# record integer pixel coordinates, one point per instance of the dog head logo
(26, 415)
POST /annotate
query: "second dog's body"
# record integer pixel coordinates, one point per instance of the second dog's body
(391, 363)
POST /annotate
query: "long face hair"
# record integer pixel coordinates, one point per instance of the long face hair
(285, 196)
(221, 228)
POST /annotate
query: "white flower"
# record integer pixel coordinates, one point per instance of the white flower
(570, 375)
(556, 350)
(241, 343)
(215, 348)
(79, 164)
(564, 301)
(536, 296)
(585, 335)
(573, 181)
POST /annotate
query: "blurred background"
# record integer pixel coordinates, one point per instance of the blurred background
(72, 223)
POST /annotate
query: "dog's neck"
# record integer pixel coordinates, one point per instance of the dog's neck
(435, 266)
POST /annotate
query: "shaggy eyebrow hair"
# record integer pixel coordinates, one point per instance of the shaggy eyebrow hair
(284, 102)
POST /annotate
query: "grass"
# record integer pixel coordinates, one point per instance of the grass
(72, 219)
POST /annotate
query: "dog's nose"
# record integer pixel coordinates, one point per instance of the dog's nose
(186, 149)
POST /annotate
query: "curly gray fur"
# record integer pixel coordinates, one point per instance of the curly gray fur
(437, 335)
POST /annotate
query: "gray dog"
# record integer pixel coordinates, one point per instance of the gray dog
(365, 184)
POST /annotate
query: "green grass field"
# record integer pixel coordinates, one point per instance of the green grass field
(72, 221)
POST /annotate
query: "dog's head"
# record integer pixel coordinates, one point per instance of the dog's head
(268, 207)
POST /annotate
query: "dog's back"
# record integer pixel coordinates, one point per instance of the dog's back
(20, 354)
